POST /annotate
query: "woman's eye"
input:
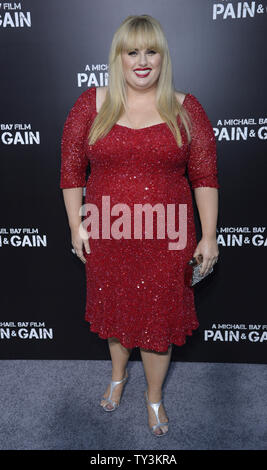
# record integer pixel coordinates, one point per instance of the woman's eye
(148, 52)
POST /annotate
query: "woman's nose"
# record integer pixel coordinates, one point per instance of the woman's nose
(142, 60)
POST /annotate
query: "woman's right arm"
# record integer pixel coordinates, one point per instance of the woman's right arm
(73, 201)
(73, 169)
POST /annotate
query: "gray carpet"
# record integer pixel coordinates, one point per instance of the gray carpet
(55, 405)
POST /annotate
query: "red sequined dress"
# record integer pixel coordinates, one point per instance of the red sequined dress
(136, 289)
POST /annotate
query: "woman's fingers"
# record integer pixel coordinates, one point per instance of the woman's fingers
(78, 248)
(208, 248)
(80, 242)
(86, 246)
(79, 252)
(77, 243)
(207, 264)
(82, 258)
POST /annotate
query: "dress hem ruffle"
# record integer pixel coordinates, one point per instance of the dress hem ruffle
(140, 344)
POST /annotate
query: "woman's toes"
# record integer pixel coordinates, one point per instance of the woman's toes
(161, 430)
(158, 431)
(106, 404)
(164, 429)
(109, 406)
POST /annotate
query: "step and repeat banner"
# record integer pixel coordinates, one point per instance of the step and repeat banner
(51, 51)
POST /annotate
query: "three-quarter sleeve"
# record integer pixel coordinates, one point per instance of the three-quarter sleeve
(74, 161)
(202, 162)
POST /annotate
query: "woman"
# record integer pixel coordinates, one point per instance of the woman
(140, 136)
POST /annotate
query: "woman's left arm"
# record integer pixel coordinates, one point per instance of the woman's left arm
(203, 175)
(207, 204)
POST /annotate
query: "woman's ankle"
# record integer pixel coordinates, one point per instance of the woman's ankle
(119, 374)
(154, 395)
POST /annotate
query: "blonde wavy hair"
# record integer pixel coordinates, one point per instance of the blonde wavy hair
(141, 31)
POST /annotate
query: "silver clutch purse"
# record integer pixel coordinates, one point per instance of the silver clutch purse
(196, 267)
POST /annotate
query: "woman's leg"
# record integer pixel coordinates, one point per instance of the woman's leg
(119, 356)
(156, 366)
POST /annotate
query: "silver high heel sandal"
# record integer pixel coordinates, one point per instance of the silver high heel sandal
(155, 407)
(113, 384)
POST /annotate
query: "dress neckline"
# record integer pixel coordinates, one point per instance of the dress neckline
(140, 128)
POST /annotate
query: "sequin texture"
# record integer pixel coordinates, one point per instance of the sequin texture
(136, 290)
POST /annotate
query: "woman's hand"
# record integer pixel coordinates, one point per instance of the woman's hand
(79, 238)
(208, 248)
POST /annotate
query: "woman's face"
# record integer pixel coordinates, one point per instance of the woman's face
(148, 60)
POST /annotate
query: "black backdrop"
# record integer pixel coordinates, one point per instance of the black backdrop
(50, 52)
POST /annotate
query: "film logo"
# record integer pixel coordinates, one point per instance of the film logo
(253, 333)
(25, 330)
